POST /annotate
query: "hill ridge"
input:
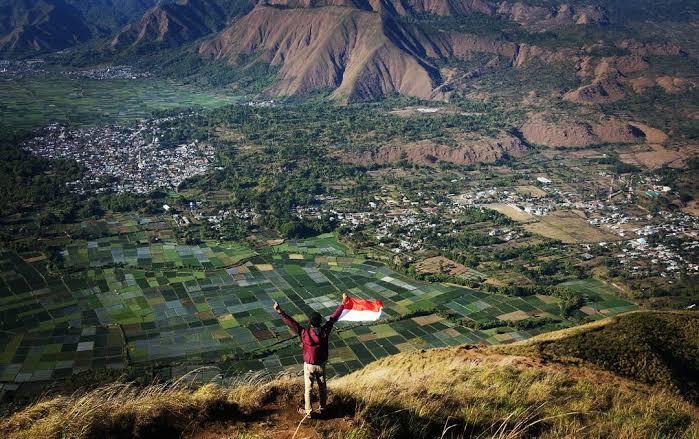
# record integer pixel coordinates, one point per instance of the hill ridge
(474, 391)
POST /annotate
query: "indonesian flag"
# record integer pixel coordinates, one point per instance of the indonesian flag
(361, 310)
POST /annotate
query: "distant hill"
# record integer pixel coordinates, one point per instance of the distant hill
(35, 26)
(587, 58)
(363, 50)
(28, 27)
(447, 392)
(107, 16)
(356, 53)
(171, 25)
(656, 348)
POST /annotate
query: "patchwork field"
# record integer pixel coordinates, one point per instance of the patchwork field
(123, 302)
(33, 102)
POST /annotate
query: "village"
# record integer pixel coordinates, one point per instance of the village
(665, 244)
(591, 219)
(123, 159)
(113, 72)
(15, 69)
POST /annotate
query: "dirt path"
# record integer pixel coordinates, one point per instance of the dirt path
(279, 419)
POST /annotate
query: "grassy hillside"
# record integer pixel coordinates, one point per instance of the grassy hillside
(651, 347)
(452, 392)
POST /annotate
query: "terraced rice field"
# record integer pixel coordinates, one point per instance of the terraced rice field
(125, 302)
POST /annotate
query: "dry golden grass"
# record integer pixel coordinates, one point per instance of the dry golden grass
(445, 393)
(569, 228)
(511, 211)
(124, 410)
(480, 393)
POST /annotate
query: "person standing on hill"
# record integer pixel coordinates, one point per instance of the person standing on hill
(314, 340)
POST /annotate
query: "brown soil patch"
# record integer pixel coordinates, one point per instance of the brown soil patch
(640, 84)
(514, 316)
(427, 320)
(532, 191)
(651, 48)
(600, 91)
(692, 208)
(441, 265)
(656, 156)
(612, 66)
(35, 259)
(653, 135)
(278, 418)
(674, 85)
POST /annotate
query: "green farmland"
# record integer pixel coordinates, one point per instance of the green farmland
(33, 102)
(126, 302)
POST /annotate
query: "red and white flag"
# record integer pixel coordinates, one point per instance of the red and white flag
(361, 310)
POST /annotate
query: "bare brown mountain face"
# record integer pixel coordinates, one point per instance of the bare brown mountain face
(536, 17)
(613, 78)
(364, 49)
(583, 132)
(544, 18)
(355, 53)
(350, 51)
(440, 8)
(472, 150)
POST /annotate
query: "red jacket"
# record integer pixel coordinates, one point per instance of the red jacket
(314, 340)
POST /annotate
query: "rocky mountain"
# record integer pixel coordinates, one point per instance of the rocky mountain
(355, 52)
(474, 150)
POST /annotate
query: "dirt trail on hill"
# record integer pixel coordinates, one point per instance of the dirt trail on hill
(278, 418)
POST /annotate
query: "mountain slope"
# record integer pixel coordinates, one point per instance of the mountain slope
(170, 25)
(36, 26)
(108, 16)
(348, 50)
(467, 391)
(354, 53)
(441, 8)
(652, 347)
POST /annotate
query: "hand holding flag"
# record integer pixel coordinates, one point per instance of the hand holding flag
(360, 310)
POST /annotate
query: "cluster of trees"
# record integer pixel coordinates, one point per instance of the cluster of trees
(570, 300)
(617, 166)
(520, 325)
(27, 181)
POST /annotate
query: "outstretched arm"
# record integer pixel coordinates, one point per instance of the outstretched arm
(287, 319)
(332, 318)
